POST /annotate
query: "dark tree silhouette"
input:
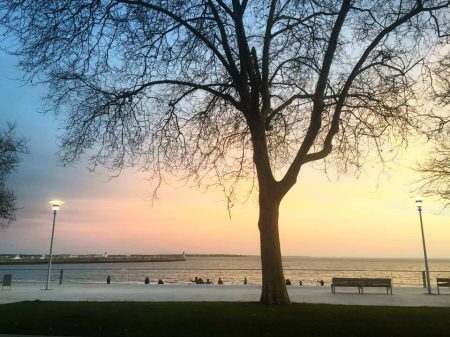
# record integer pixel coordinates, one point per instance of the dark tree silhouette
(436, 170)
(10, 148)
(223, 90)
(436, 173)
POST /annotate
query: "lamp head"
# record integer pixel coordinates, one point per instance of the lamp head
(419, 202)
(56, 204)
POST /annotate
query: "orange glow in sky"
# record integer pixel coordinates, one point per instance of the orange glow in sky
(318, 218)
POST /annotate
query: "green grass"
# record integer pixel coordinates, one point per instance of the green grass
(210, 319)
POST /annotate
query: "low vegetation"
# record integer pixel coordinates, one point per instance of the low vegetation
(219, 319)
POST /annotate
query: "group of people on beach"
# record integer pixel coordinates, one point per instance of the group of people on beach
(147, 281)
(288, 282)
(196, 280)
(199, 280)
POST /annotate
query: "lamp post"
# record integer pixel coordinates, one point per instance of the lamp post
(55, 207)
(427, 271)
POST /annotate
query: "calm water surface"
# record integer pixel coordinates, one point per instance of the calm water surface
(404, 272)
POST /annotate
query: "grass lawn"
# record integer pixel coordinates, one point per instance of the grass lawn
(210, 319)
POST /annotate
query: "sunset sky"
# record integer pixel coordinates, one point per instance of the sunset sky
(373, 216)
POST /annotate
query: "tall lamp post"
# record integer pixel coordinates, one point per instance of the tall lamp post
(427, 271)
(56, 204)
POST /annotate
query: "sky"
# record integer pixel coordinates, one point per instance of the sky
(370, 216)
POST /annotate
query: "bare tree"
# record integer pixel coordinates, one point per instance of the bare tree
(436, 170)
(10, 148)
(223, 90)
(436, 174)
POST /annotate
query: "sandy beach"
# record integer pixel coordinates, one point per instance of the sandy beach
(403, 296)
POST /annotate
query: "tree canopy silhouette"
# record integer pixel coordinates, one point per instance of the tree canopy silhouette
(223, 90)
(436, 173)
(10, 148)
(436, 170)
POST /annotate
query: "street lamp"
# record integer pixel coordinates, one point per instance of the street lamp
(427, 271)
(56, 204)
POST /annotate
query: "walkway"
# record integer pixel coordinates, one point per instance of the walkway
(244, 293)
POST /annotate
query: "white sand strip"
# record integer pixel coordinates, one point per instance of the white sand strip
(234, 293)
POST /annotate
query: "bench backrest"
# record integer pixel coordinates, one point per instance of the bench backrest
(376, 282)
(443, 281)
(351, 281)
(345, 281)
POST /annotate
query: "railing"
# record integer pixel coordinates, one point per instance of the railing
(410, 278)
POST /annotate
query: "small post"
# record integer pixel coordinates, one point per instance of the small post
(61, 273)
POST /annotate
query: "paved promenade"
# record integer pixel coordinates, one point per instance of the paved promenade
(244, 293)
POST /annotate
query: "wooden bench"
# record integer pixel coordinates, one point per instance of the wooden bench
(344, 282)
(443, 282)
(361, 283)
(377, 283)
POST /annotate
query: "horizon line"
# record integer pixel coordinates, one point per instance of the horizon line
(234, 255)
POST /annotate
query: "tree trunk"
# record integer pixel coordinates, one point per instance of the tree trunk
(273, 283)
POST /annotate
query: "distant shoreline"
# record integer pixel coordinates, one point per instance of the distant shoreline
(6, 259)
(93, 259)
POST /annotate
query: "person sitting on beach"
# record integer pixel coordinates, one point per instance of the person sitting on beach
(160, 281)
(321, 282)
(208, 281)
(195, 280)
(301, 282)
(220, 281)
(200, 281)
(147, 280)
(288, 282)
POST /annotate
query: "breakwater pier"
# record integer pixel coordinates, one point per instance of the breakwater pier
(75, 259)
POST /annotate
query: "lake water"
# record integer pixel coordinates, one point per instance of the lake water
(233, 269)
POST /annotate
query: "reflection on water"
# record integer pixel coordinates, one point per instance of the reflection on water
(233, 270)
